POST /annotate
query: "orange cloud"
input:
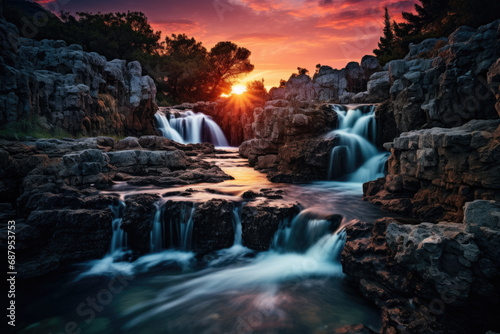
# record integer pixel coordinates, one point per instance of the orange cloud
(281, 34)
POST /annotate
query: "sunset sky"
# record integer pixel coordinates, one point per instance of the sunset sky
(281, 34)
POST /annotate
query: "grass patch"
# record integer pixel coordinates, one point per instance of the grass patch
(31, 128)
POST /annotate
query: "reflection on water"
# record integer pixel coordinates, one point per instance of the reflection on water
(340, 197)
(296, 287)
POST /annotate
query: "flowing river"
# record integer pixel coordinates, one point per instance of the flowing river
(297, 286)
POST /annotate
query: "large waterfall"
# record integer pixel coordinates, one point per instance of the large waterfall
(355, 158)
(191, 128)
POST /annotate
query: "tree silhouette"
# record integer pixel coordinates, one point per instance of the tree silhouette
(385, 46)
(433, 18)
(302, 70)
(227, 61)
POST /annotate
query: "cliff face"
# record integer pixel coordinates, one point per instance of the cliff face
(429, 278)
(444, 110)
(77, 91)
(447, 82)
(434, 172)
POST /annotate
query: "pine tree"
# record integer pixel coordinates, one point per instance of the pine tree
(385, 46)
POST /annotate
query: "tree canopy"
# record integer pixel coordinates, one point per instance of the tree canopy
(432, 18)
(182, 68)
(226, 62)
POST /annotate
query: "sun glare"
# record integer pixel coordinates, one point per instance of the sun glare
(238, 89)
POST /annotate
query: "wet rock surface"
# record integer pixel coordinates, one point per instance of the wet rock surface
(260, 220)
(50, 182)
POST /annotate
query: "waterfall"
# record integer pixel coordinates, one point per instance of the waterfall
(355, 158)
(312, 233)
(237, 226)
(173, 230)
(119, 238)
(166, 129)
(191, 128)
(317, 255)
(157, 232)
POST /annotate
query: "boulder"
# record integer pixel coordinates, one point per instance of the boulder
(427, 278)
(261, 220)
(213, 226)
(138, 220)
(129, 143)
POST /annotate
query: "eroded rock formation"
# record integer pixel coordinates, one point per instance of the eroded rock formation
(434, 172)
(53, 190)
(67, 88)
(429, 278)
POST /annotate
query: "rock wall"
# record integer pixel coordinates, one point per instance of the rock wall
(434, 172)
(447, 82)
(286, 143)
(67, 88)
(430, 278)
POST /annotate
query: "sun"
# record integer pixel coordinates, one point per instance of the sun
(238, 89)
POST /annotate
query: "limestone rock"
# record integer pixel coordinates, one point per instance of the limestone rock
(79, 92)
(440, 170)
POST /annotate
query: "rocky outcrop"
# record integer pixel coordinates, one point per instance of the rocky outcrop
(330, 84)
(73, 90)
(52, 187)
(432, 173)
(429, 278)
(447, 82)
(260, 220)
(281, 125)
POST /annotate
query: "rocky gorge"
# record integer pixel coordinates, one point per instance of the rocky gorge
(198, 212)
(437, 113)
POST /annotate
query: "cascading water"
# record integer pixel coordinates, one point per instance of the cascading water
(355, 158)
(119, 238)
(316, 254)
(191, 128)
(172, 231)
(237, 226)
(305, 231)
(166, 129)
(231, 290)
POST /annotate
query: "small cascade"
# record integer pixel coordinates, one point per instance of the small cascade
(119, 238)
(237, 226)
(173, 230)
(355, 158)
(157, 232)
(191, 128)
(312, 233)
